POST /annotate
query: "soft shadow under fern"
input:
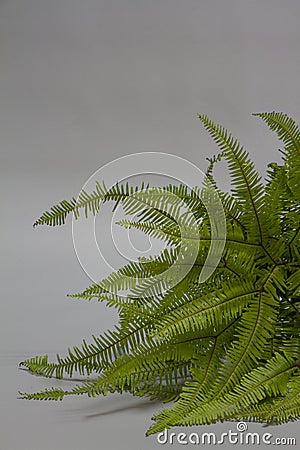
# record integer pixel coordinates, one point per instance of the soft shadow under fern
(228, 348)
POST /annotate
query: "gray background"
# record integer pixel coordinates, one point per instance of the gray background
(84, 82)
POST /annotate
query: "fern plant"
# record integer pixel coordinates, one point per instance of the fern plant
(225, 349)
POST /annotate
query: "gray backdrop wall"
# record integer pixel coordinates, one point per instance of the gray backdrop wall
(84, 82)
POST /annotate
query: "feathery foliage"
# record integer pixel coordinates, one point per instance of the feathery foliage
(227, 348)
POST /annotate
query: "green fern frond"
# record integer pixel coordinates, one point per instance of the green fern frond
(214, 308)
(247, 186)
(89, 202)
(288, 132)
(227, 348)
(90, 357)
(286, 129)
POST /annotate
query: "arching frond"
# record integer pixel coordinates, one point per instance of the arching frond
(246, 182)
